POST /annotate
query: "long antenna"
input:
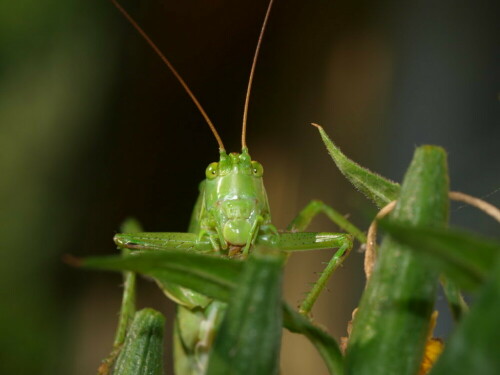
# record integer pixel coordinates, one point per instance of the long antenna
(172, 69)
(252, 73)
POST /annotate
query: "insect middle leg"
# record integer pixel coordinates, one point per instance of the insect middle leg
(315, 207)
(342, 241)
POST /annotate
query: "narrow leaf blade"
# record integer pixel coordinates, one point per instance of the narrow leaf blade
(142, 353)
(217, 289)
(210, 275)
(378, 189)
(474, 347)
(463, 257)
(249, 338)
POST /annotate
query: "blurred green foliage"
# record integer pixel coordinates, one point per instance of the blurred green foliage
(51, 57)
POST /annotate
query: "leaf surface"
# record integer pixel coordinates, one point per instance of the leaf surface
(391, 326)
(249, 339)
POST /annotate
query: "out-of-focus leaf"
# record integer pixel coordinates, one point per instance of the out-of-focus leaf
(391, 326)
(142, 353)
(463, 257)
(456, 301)
(378, 189)
(218, 285)
(249, 339)
(210, 275)
(474, 347)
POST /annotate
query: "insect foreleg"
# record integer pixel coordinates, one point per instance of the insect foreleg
(213, 236)
(163, 241)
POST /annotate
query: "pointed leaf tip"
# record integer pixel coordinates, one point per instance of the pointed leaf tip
(378, 189)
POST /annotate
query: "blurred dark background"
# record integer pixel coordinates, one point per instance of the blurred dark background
(93, 129)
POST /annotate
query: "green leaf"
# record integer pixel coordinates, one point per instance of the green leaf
(456, 301)
(210, 275)
(392, 322)
(474, 347)
(463, 257)
(249, 339)
(378, 189)
(142, 353)
(218, 279)
(382, 191)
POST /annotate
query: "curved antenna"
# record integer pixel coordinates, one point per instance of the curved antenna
(252, 73)
(172, 69)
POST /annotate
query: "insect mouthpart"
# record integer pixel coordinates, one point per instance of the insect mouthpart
(237, 232)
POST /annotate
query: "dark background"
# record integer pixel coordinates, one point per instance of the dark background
(93, 128)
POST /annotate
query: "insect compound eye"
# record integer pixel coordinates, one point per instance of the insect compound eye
(212, 170)
(257, 169)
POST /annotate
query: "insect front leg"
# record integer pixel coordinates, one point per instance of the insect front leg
(209, 230)
(163, 241)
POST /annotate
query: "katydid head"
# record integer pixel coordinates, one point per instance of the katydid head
(234, 163)
(234, 197)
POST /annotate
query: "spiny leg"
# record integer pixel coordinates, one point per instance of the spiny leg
(301, 222)
(163, 241)
(336, 260)
(306, 241)
(315, 207)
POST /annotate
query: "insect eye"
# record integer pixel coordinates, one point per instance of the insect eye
(212, 170)
(257, 169)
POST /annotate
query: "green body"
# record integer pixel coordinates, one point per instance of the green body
(230, 216)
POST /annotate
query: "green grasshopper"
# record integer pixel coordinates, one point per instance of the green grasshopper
(230, 217)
